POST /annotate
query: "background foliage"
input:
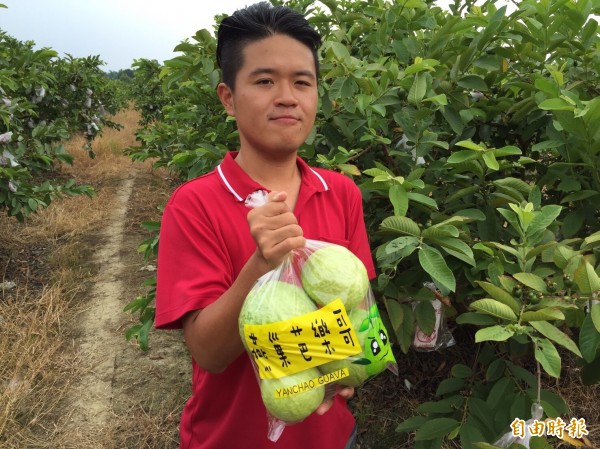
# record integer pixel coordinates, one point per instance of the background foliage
(44, 100)
(474, 135)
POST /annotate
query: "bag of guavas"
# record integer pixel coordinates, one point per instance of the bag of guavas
(310, 326)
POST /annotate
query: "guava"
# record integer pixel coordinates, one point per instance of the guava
(273, 301)
(297, 399)
(333, 272)
(357, 372)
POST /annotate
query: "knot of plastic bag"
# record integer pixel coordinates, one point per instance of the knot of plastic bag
(256, 199)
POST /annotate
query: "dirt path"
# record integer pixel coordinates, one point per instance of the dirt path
(124, 389)
(99, 342)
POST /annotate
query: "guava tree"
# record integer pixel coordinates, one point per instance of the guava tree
(474, 136)
(44, 100)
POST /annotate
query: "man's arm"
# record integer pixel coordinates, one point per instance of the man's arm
(212, 334)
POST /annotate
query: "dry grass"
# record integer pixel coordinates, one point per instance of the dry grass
(46, 257)
(109, 163)
(36, 363)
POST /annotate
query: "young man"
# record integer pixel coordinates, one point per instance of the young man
(213, 248)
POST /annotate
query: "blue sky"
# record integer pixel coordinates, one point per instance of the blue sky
(117, 30)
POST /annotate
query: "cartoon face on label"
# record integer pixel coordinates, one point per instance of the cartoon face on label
(377, 345)
(377, 351)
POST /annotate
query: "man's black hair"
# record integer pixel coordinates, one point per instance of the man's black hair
(256, 22)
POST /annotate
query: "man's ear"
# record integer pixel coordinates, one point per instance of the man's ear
(226, 96)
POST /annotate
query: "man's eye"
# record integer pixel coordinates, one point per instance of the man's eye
(264, 82)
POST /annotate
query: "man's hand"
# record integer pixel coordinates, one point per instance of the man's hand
(275, 230)
(345, 393)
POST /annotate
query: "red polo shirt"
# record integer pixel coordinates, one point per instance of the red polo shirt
(204, 243)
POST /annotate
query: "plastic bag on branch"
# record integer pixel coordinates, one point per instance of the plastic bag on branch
(311, 326)
(441, 337)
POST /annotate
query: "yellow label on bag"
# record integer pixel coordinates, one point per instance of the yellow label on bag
(287, 347)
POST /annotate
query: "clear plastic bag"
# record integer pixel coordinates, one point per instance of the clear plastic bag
(310, 326)
(441, 337)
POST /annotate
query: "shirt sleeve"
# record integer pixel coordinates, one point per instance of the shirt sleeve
(194, 268)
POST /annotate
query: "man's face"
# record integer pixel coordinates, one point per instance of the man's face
(275, 98)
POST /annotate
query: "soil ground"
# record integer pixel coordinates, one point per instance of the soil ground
(125, 381)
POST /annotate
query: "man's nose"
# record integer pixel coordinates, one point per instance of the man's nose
(286, 95)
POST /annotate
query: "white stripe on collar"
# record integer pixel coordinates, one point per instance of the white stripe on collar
(239, 198)
(320, 178)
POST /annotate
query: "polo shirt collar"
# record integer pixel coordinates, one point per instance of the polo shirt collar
(240, 185)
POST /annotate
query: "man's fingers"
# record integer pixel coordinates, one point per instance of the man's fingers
(346, 393)
(324, 407)
(275, 196)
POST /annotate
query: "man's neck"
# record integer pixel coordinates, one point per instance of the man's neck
(280, 174)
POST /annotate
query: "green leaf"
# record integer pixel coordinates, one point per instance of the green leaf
(395, 313)
(433, 263)
(457, 248)
(349, 169)
(595, 314)
(450, 385)
(505, 248)
(461, 371)
(542, 315)
(553, 404)
(490, 160)
(539, 443)
(418, 89)
(547, 144)
(522, 374)
(400, 247)
(548, 356)
(374, 172)
(470, 145)
(494, 308)
(553, 333)
(590, 374)
(495, 370)
(425, 315)
(589, 339)
(532, 281)
(436, 428)
(501, 295)
(401, 225)
(544, 218)
(475, 318)
(556, 104)
(473, 82)
(447, 405)
(439, 99)
(507, 151)
(503, 388)
(578, 196)
(469, 435)
(399, 200)
(422, 199)
(437, 232)
(591, 241)
(586, 278)
(412, 423)
(483, 445)
(494, 333)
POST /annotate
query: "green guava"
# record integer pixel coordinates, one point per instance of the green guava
(335, 272)
(357, 372)
(298, 399)
(273, 301)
